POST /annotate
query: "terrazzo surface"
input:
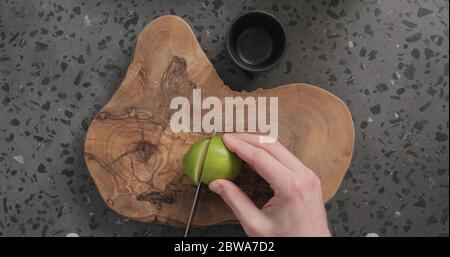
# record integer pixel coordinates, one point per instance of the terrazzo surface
(60, 61)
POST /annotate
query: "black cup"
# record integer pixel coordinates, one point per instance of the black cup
(256, 41)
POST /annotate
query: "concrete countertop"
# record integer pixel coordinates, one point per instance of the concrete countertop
(60, 61)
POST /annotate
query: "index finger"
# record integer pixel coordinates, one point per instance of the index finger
(276, 149)
(264, 164)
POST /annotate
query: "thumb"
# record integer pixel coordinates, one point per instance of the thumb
(251, 218)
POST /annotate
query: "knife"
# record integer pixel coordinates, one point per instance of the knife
(194, 205)
(194, 202)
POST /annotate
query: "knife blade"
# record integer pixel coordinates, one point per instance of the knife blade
(194, 202)
(193, 207)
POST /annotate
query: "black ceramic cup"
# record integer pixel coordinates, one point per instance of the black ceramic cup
(256, 41)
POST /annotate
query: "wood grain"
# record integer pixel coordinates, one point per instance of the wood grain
(135, 159)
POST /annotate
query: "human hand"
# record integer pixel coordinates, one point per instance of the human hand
(297, 207)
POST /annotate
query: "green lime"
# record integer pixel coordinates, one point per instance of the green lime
(213, 158)
(193, 160)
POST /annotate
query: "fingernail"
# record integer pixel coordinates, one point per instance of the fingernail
(229, 140)
(228, 136)
(215, 187)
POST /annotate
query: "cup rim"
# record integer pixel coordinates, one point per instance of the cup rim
(238, 62)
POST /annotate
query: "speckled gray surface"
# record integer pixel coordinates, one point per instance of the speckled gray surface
(60, 61)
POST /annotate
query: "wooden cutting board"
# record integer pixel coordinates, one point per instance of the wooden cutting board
(135, 158)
